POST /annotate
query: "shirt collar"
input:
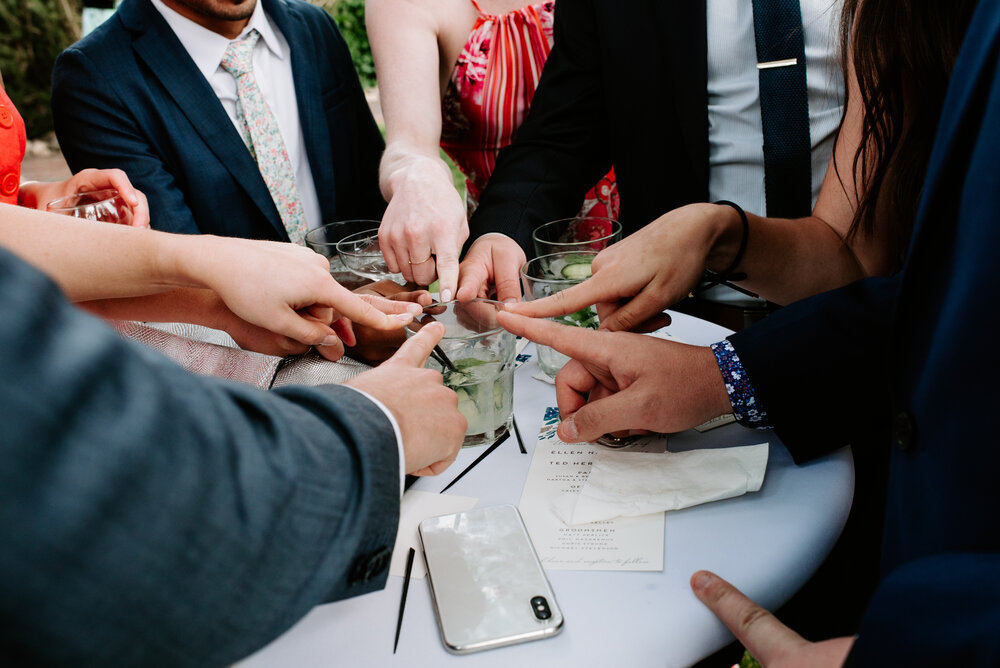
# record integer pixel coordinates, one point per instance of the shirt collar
(207, 48)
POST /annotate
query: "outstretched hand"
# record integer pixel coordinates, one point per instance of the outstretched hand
(619, 381)
(635, 279)
(772, 643)
(426, 410)
(492, 260)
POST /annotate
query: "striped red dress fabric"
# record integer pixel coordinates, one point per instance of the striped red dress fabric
(489, 93)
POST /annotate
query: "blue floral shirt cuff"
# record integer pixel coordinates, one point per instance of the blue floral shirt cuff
(747, 409)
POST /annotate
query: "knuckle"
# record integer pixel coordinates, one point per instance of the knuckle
(749, 617)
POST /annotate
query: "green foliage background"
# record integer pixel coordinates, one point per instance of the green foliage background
(34, 33)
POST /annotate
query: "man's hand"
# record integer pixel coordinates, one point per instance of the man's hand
(493, 259)
(768, 640)
(424, 226)
(36, 194)
(618, 381)
(426, 410)
(636, 278)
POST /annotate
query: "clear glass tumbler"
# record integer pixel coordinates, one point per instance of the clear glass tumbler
(476, 359)
(583, 233)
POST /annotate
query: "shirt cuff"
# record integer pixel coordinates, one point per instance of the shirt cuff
(396, 431)
(747, 408)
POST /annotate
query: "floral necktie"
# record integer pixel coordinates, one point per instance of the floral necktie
(259, 129)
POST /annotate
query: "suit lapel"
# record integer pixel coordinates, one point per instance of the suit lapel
(309, 94)
(681, 31)
(156, 45)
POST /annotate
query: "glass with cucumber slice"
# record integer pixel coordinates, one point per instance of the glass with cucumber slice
(476, 359)
(547, 275)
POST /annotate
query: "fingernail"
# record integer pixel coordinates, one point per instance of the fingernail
(446, 295)
(702, 580)
(330, 340)
(414, 309)
(403, 317)
(510, 300)
(569, 428)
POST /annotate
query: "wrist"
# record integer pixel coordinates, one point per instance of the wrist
(31, 195)
(729, 239)
(400, 168)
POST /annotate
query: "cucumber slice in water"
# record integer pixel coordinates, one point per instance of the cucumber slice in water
(577, 271)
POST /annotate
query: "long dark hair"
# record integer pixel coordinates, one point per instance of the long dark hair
(903, 53)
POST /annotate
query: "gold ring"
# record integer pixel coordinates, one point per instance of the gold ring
(427, 259)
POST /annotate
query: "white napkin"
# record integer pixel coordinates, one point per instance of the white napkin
(624, 484)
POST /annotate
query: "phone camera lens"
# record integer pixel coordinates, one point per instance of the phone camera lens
(541, 608)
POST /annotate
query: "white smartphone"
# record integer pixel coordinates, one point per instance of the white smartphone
(488, 586)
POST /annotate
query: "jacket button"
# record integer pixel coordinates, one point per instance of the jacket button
(904, 432)
(9, 184)
(6, 117)
(370, 565)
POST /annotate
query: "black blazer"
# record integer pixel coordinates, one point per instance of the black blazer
(915, 354)
(594, 108)
(129, 96)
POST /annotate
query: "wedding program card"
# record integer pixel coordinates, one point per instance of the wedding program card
(622, 544)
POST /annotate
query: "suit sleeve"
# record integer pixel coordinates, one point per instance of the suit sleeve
(819, 367)
(935, 611)
(154, 517)
(562, 148)
(96, 128)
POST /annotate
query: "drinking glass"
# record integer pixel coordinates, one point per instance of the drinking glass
(362, 254)
(583, 233)
(548, 274)
(103, 206)
(476, 359)
(324, 240)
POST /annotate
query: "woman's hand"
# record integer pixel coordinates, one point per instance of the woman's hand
(36, 194)
(493, 260)
(425, 225)
(636, 278)
(374, 346)
(282, 287)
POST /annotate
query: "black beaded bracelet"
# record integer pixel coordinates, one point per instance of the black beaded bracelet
(711, 278)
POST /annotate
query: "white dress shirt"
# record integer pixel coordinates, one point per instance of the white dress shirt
(272, 66)
(735, 132)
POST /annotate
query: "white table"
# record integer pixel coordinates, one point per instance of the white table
(768, 544)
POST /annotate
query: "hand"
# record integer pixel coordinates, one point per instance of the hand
(636, 278)
(426, 410)
(374, 346)
(493, 258)
(618, 381)
(424, 225)
(285, 288)
(36, 194)
(772, 643)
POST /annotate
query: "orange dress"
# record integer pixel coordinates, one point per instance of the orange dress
(488, 96)
(12, 143)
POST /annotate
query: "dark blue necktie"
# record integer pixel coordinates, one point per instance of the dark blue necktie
(784, 107)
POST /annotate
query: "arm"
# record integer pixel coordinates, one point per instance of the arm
(96, 128)
(273, 285)
(425, 215)
(561, 150)
(211, 515)
(785, 259)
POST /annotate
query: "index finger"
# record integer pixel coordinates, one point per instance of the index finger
(756, 628)
(570, 300)
(577, 342)
(447, 271)
(417, 348)
(361, 309)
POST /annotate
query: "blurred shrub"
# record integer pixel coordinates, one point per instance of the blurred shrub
(34, 33)
(350, 18)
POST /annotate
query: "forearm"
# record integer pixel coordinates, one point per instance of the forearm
(785, 259)
(98, 261)
(191, 305)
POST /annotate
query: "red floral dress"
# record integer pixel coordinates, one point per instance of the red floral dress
(489, 92)
(12, 143)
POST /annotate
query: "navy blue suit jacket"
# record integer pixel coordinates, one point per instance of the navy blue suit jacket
(153, 517)
(129, 96)
(916, 353)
